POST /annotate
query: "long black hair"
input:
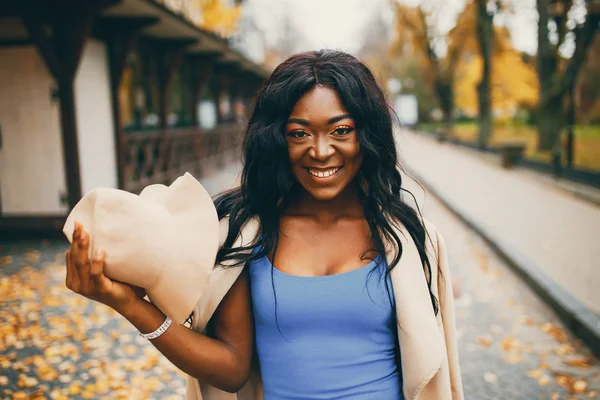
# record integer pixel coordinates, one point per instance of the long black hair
(267, 184)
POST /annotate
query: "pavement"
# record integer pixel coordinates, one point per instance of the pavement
(55, 344)
(545, 232)
(512, 345)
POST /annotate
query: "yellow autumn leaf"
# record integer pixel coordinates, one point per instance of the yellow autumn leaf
(509, 344)
(579, 387)
(20, 395)
(74, 389)
(544, 380)
(535, 373)
(565, 348)
(485, 341)
(513, 357)
(581, 362)
(554, 331)
(564, 381)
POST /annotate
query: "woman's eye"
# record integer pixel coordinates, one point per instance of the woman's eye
(343, 130)
(297, 134)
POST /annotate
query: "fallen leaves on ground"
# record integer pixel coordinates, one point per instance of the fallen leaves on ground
(572, 385)
(555, 332)
(57, 345)
(582, 362)
(485, 341)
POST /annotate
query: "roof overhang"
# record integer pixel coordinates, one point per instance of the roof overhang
(166, 25)
(174, 26)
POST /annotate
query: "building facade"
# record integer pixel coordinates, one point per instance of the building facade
(109, 93)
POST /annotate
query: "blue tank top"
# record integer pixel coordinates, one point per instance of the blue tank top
(334, 337)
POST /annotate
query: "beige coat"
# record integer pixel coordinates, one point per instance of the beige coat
(430, 368)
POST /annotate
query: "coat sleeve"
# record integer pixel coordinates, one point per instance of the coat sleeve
(446, 301)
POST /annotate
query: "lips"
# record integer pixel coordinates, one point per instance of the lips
(323, 173)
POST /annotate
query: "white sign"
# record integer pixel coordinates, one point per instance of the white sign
(207, 113)
(407, 109)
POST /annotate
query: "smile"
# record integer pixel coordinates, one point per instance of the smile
(323, 173)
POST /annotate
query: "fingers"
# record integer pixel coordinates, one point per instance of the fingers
(97, 268)
(84, 275)
(69, 278)
(76, 233)
(72, 279)
(78, 262)
(103, 286)
(82, 262)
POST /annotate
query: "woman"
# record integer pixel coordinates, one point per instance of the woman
(327, 285)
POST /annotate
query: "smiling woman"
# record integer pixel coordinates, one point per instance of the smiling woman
(321, 180)
(323, 147)
(325, 278)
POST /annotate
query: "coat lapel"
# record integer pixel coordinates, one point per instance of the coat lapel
(421, 343)
(223, 276)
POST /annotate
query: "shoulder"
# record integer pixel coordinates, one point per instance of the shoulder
(432, 234)
(437, 252)
(435, 246)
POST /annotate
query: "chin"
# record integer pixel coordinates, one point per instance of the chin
(324, 194)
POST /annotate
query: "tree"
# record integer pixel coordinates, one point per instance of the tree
(417, 34)
(485, 39)
(212, 15)
(588, 86)
(289, 37)
(219, 17)
(556, 71)
(375, 49)
(513, 79)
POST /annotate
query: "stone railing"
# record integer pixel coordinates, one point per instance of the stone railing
(161, 156)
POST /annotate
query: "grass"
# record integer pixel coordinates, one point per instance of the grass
(587, 141)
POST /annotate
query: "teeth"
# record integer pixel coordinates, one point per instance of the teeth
(323, 174)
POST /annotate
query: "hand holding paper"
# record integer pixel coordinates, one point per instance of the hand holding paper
(165, 240)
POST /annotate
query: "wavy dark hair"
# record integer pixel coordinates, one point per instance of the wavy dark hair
(267, 183)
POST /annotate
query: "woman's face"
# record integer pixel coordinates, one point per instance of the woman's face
(323, 147)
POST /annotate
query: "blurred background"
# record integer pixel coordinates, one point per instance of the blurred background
(498, 103)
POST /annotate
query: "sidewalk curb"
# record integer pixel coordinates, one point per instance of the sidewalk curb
(575, 315)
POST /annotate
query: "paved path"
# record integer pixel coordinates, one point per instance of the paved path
(556, 230)
(55, 343)
(512, 346)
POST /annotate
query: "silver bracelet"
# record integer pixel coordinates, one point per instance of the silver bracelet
(161, 329)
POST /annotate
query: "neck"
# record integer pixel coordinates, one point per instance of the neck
(346, 205)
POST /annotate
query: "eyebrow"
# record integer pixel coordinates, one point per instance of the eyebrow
(330, 121)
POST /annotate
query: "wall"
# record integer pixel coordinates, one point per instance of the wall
(96, 141)
(32, 174)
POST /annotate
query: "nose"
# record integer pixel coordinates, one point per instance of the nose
(322, 149)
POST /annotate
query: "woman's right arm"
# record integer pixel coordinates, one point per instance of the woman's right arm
(222, 361)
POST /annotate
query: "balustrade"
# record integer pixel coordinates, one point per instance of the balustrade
(161, 156)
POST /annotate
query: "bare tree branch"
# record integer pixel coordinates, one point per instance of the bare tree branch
(584, 36)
